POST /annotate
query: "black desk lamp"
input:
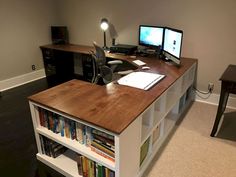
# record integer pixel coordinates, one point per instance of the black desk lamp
(104, 26)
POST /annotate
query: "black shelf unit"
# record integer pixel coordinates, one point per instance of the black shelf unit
(59, 66)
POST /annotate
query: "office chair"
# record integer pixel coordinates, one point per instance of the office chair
(102, 68)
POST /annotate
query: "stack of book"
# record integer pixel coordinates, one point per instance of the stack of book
(89, 168)
(51, 148)
(103, 144)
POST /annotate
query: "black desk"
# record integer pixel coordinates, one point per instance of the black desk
(228, 85)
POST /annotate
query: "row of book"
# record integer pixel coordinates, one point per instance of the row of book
(99, 142)
(66, 127)
(89, 168)
(51, 148)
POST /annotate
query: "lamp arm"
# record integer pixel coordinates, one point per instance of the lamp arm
(105, 43)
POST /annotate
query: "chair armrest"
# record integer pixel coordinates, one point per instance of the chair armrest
(114, 62)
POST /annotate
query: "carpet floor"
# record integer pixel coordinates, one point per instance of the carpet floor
(191, 152)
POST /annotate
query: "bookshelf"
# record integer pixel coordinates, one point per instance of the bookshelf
(65, 163)
(134, 147)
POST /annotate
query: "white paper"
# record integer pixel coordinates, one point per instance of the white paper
(141, 80)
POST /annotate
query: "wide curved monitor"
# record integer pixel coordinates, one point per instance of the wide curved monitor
(150, 36)
(172, 44)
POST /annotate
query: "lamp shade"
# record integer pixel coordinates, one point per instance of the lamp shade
(104, 24)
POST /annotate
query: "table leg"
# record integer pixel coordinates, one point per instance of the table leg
(221, 107)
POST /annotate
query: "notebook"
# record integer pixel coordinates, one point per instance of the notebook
(141, 80)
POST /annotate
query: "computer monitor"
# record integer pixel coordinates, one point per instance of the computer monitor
(151, 36)
(172, 44)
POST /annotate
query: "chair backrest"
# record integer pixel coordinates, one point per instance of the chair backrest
(100, 69)
(100, 55)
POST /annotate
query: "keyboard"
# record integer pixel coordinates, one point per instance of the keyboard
(139, 62)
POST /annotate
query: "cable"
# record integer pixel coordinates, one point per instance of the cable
(205, 93)
(208, 94)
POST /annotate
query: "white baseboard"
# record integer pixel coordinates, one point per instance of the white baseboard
(22, 79)
(214, 99)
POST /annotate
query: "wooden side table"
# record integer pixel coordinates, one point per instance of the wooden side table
(228, 85)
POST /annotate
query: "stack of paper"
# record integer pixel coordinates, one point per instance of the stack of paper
(141, 80)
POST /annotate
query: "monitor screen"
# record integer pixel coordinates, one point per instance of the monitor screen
(172, 44)
(151, 36)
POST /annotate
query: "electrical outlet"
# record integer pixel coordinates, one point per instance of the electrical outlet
(210, 87)
(33, 67)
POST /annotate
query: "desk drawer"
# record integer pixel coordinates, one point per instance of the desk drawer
(50, 69)
(48, 54)
(87, 64)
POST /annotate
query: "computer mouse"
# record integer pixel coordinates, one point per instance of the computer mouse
(145, 67)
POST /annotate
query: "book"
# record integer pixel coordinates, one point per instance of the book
(108, 147)
(103, 134)
(102, 148)
(58, 150)
(107, 172)
(51, 148)
(91, 168)
(103, 154)
(79, 132)
(41, 116)
(103, 171)
(84, 166)
(112, 174)
(67, 128)
(88, 135)
(79, 164)
(105, 144)
(141, 80)
(62, 126)
(42, 144)
(96, 169)
(100, 174)
(144, 150)
(72, 129)
(51, 121)
(45, 117)
(55, 124)
(107, 141)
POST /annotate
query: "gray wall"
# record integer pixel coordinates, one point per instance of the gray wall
(208, 25)
(24, 26)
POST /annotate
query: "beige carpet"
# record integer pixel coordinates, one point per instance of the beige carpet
(191, 152)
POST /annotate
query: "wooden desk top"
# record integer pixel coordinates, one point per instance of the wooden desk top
(112, 107)
(229, 74)
(70, 48)
(82, 49)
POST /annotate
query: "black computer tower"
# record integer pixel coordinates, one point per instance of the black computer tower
(59, 35)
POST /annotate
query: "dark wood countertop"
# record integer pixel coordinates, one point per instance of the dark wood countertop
(112, 107)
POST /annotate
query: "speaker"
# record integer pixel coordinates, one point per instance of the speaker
(59, 35)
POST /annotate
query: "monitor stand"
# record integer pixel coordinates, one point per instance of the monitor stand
(170, 62)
